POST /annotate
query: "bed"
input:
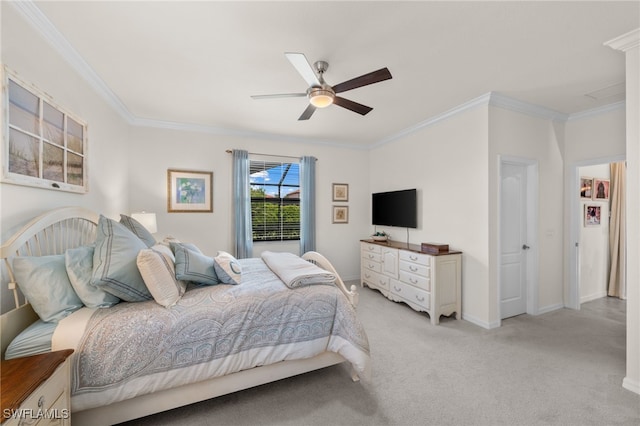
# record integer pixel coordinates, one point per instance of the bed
(150, 354)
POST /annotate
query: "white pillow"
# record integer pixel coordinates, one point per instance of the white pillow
(156, 265)
(227, 268)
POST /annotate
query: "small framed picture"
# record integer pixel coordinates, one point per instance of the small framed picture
(592, 215)
(586, 188)
(340, 192)
(600, 189)
(340, 214)
(189, 191)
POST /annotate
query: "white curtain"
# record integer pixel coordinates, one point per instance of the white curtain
(307, 204)
(617, 286)
(242, 205)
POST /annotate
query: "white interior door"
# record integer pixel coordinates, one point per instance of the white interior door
(513, 240)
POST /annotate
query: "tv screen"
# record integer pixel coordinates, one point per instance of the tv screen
(395, 208)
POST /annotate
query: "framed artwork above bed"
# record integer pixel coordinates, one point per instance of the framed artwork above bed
(189, 191)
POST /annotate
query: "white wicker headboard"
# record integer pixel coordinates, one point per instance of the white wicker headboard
(50, 233)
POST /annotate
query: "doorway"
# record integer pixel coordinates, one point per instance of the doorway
(518, 206)
(579, 252)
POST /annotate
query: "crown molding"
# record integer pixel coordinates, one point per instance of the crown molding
(50, 33)
(597, 111)
(512, 104)
(626, 41)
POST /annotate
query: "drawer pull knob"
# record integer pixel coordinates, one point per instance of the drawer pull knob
(413, 268)
(413, 281)
(419, 299)
(413, 257)
(371, 256)
(397, 289)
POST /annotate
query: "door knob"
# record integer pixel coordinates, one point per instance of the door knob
(525, 247)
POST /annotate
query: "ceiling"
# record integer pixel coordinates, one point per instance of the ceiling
(198, 63)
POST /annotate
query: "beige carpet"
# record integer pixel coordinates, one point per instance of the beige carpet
(561, 368)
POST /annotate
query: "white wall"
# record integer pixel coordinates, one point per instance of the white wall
(594, 243)
(107, 133)
(515, 134)
(157, 150)
(447, 163)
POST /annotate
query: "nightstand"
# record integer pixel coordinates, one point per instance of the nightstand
(36, 389)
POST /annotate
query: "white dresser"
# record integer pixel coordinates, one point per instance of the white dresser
(429, 283)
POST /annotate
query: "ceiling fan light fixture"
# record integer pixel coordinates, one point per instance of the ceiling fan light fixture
(321, 98)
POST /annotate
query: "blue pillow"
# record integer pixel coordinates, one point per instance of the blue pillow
(114, 262)
(227, 268)
(45, 283)
(79, 264)
(194, 266)
(138, 229)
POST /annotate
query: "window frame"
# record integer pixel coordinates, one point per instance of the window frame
(40, 136)
(280, 202)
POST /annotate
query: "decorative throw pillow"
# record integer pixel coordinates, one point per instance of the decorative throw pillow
(157, 270)
(227, 268)
(44, 282)
(138, 229)
(114, 262)
(194, 266)
(79, 265)
(190, 246)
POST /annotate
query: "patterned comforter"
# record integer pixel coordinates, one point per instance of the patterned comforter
(136, 348)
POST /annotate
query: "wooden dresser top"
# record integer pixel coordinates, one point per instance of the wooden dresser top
(406, 246)
(20, 377)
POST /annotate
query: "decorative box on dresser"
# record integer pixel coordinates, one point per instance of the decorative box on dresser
(429, 283)
(36, 390)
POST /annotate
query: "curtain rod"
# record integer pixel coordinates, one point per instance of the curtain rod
(230, 151)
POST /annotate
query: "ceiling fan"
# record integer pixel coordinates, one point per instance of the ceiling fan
(321, 94)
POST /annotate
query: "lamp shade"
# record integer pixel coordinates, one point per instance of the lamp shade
(148, 220)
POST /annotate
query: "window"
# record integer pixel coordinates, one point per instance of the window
(44, 145)
(275, 200)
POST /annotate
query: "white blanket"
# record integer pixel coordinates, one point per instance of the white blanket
(294, 271)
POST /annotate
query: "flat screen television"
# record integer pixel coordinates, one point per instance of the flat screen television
(395, 208)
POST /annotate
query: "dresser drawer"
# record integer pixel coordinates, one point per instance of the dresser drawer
(410, 256)
(371, 256)
(371, 248)
(370, 265)
(415, 268)
(375, 279)
(411, 294)
(415, 280)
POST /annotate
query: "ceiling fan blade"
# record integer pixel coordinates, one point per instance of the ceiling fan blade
(307, 113)
(282, 95)
(364, 80)
(353, 106)
(300, 63)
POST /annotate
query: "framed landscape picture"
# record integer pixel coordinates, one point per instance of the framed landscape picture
(189, 191)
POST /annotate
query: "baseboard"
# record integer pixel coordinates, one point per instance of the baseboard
(550, 308)
(599, 295)
(479, 322)
(632, 385)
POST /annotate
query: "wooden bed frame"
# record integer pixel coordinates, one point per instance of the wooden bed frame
(58, 230)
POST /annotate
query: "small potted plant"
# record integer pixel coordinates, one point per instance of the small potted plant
(380, 236)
